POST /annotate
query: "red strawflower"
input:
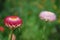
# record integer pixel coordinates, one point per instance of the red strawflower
(1, 29)
(13, 21)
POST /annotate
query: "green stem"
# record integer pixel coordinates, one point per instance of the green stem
(10, 35)
(45, 31)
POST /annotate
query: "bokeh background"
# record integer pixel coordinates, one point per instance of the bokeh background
(32, 27)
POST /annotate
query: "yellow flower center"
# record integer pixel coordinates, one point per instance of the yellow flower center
(13, 18)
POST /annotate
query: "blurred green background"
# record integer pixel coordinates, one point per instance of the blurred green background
(32, 27)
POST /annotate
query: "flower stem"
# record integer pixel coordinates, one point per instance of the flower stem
(13, 37)
(10, 35)
(45, 31)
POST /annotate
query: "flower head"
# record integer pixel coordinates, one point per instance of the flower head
(47, 16)
(13, 21)
(1, 29)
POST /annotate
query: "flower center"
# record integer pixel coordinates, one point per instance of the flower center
(13, 18)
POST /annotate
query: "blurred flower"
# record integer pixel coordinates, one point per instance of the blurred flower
(13, 21)
(1, 29)
(47, 16)
(13, 37)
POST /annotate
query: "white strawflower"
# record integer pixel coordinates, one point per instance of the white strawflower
(47, 16)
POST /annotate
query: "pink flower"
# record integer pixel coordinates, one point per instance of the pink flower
(1, 29)
(13, 21)
(47, 16)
